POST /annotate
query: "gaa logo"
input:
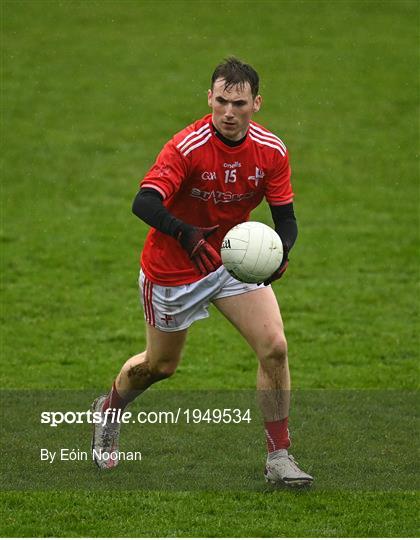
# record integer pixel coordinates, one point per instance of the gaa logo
(208, 175)
(226, 244)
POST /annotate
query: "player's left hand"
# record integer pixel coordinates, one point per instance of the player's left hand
(281, 269)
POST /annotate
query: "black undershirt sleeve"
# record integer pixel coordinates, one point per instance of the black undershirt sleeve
(148, 206)
(285, 223)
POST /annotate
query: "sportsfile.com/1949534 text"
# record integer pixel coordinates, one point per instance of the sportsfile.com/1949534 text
(179, 415)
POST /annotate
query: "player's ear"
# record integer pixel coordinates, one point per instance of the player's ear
(209, 96)
(257, 103)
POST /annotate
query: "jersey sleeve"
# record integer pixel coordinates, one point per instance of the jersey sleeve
(278, 188)
(168, 171)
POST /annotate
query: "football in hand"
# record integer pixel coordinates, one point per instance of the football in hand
(251, 252)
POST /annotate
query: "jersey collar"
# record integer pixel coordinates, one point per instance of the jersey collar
(228, 142)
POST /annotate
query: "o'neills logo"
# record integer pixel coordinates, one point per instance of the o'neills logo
(232, 165)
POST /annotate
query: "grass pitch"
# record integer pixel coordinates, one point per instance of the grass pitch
(90, 92)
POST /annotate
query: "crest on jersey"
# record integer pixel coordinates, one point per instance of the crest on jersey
(259, 175)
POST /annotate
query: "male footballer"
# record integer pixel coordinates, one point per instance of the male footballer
(206, 179)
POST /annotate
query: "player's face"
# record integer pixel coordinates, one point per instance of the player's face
(232, 108)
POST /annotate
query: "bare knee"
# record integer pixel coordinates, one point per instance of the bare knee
(162, 371)
(274, 350)
(150, 372)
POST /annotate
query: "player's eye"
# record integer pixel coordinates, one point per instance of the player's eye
(221, 100)
(240, 103)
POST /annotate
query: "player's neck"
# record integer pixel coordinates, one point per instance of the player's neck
(227, 141)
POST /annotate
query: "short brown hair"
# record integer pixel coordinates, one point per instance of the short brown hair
(235, 72)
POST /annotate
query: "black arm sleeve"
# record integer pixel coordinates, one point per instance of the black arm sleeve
(285, 223)
(148, 206)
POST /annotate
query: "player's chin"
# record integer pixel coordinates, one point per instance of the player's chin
(230, 131)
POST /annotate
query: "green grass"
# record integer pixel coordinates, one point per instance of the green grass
(90, 92)
(209, 514)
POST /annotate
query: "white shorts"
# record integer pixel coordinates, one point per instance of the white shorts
(175, 308)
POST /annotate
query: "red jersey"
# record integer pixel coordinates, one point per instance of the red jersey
(205, 182)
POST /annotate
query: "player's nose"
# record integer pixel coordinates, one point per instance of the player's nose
(229, 111)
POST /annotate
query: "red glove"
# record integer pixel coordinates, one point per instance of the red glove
(202, 254)
(282, 268)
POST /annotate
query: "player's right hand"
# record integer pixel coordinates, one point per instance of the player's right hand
(282, 268)
(202, 254)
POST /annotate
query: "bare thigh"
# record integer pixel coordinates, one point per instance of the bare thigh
(256, 314)
(160, 359)
(164, 347)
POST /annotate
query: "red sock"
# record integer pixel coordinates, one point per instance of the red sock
(114, 400)
(277, 434)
